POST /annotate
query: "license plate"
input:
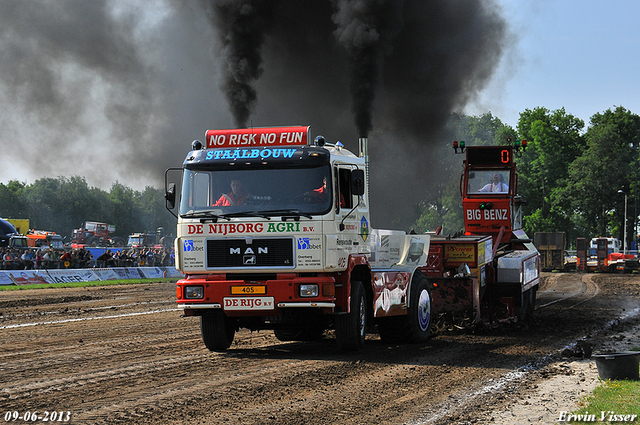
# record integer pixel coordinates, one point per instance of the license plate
(248, 290)
(248, 303)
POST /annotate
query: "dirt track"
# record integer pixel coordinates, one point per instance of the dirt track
(123, 355)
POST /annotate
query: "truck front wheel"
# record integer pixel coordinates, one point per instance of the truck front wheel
(217, 330)
(351, 328)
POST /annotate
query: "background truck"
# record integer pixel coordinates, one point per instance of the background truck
(19, 242)
(20, 224)
(603, 255)
(551, 246)
(9, 237)
(44, 238)
(95, 234)
(149, 240)
(295, 251)
(143, 240)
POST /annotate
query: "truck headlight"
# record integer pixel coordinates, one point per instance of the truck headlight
(309, 290)
(193, 292)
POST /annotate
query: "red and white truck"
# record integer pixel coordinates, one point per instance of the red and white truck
(274, 232)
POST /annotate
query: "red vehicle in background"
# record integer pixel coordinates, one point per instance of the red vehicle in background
(95, 234)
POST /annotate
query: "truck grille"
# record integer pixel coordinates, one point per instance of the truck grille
(237, 253)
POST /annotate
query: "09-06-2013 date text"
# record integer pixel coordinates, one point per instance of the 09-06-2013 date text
(46, 416)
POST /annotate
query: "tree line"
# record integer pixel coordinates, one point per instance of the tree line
(62, 204)
(573, 179)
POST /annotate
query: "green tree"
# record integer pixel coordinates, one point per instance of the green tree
(555, 140)
(62, 204)
(12, 203)
(123, 211)
(152, 212)
(446, 209)
(605, 167)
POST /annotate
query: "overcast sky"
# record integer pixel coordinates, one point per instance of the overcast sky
(583, 55)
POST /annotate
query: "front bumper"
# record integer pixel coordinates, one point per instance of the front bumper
(268, 297)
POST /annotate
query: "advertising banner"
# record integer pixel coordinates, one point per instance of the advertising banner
(151, 272)
(66, 276)
(22, 277)
(29, 277)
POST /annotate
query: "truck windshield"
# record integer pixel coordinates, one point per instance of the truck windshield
(134, 241)
(257, 191)
(56, 243)
(20, 243)
(488, 181)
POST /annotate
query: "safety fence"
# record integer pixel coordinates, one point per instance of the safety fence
(29, 277)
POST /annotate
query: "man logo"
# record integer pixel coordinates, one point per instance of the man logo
(303, 243)
(249, 260)
(249, 250)
(188, 246)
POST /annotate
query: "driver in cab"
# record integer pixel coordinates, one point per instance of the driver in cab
(237, 196)
(322, 193)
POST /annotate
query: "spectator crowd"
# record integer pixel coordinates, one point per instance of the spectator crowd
(77, 258)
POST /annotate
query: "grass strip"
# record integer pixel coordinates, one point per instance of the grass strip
(85, 284)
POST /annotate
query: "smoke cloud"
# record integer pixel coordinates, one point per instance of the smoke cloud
(366, 28)
(114, 91)
(242, 25)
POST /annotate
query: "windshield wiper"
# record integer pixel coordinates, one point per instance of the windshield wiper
(204, 216)
(296, 214)
(245, 214)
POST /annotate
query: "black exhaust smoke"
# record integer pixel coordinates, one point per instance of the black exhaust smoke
(396, 69)
(241, 25)
(415, 61)
(408, 63)
(366, 28)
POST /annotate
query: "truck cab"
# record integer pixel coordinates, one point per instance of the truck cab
(274, 233)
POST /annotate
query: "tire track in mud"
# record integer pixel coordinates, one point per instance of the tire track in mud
(296, 390)
(569, 287)
(153, 368)
(164, 360)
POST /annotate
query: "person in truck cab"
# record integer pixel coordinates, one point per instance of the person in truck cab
(237, 196)
(497, 184)
(322, 193)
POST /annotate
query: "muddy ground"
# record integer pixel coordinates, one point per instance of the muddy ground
(122, 354)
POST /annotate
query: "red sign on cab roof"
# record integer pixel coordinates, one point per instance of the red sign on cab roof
(261, 137)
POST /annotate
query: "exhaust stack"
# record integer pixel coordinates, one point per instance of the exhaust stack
(363, 146)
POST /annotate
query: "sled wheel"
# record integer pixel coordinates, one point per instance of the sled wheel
(528, 304)
(217, 330)
(351, 328)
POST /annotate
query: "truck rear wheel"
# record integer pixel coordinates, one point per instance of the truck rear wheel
(416, 325)
(419, 318)
(351, 328)
(217, 330)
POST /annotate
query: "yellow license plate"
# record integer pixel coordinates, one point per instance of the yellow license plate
(248, 290)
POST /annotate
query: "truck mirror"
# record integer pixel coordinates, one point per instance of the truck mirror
(170, 196)
(357, 182)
